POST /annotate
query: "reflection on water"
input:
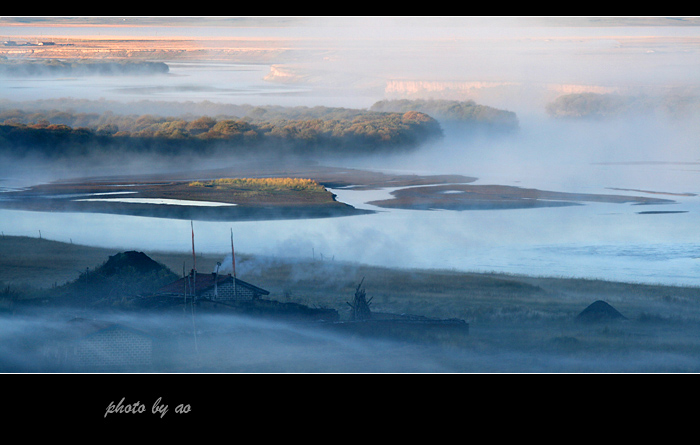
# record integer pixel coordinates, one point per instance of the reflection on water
(183, 202)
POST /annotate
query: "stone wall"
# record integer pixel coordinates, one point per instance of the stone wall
(226, 291)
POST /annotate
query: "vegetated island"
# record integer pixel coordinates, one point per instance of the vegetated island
(257, 191)
(462, 112)
(488, 197)
(85, 112)
(44, 127)
(59, 135)
(609, 105)
(264, 191)
(222, 199)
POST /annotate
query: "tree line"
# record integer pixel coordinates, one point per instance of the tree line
(609, 105)
(453, 111)
(57, 133)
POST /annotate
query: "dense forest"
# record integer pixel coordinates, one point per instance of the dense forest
(75, 127)
(441, 110)
(84, 112)
(596, 105)
(62, 133)
(55, 67)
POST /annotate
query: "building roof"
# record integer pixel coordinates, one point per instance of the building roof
(204, 282)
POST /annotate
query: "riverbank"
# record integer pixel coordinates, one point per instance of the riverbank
(516, 323)
(27, 263)
(174, 196)
(486, 197)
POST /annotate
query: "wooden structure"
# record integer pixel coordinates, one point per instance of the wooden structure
(406, 327)
(360, 304)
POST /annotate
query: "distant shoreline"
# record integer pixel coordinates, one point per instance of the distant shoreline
(487, 197)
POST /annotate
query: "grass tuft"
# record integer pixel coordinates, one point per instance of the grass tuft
(262, 184)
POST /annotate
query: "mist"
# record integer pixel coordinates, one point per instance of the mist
(191, 342)
(518, 64)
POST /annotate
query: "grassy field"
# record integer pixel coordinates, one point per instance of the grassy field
(27, 263)
(517, 323)
(261, 191)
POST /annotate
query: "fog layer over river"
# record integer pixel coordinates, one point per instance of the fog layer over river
(641, 155)
(596, 240)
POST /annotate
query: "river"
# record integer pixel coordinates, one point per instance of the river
(595, 240)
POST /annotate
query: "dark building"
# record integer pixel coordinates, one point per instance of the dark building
(212, 286)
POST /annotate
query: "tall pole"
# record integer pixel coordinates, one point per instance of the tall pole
(194, 266)
(194, 258)
(233, 256)
(233, 266)
(216, 281)
(194, 286)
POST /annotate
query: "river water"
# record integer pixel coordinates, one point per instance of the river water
(595, 240)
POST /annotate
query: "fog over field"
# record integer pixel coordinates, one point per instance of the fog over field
(627, 125)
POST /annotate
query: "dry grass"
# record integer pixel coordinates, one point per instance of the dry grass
(517, 323)
(265, 184)
(40, 263)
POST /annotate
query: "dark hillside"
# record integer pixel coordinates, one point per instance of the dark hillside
(123, 275)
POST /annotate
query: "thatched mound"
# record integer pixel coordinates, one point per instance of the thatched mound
(125, 274)
(599, 311)
(132, 261)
